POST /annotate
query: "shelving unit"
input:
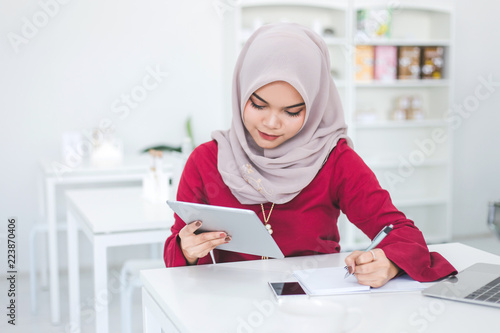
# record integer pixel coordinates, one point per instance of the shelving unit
(411, 158)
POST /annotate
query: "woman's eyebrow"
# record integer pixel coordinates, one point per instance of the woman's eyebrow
(254, 94)
(286, 107)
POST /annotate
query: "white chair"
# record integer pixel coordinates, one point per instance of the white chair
(129, 280)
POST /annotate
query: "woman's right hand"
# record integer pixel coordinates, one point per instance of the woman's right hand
(197, 246)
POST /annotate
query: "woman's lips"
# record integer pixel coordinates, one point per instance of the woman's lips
(268, 137)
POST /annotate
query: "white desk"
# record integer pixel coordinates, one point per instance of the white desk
(54, 177)
(108, 217)
(235, 297)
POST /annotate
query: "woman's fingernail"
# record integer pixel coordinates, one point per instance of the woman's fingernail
(351, 269)
(222, 234)
(198, 223)
(227, 239)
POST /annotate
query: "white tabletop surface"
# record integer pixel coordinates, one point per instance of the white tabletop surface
(226, 297)
(132, 163)
(115, 210)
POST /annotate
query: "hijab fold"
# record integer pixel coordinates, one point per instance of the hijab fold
(294, 54)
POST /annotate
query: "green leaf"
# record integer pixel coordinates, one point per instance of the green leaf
(189, 131)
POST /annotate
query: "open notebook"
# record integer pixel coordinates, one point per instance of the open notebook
(330, 281)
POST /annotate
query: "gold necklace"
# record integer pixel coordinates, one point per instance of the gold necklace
(268, 226)
(266, 219)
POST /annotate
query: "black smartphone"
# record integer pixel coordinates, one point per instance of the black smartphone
(282, 289)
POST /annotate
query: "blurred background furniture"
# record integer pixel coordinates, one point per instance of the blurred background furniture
(108, 218)
(54, 180)
(130, 281)
(494, 217)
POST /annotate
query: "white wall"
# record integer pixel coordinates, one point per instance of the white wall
(69, 73)
(90, 53)
(477, 140)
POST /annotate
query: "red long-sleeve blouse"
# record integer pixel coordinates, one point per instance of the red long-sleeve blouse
(307, 224)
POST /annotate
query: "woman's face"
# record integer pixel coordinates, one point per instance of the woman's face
(273, 114)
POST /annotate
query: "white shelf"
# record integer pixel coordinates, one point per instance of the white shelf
(401, 124)
(332, 41)
(339, 5)
(397, 164)
(420, 202)
(436, 238)
(404, 42)
(423, 5)
(424, 83)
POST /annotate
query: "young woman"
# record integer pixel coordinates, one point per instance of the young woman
(288, 158)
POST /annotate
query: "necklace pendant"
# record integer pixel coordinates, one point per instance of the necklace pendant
(268, 226)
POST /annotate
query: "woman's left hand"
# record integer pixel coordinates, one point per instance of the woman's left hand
(371, 268)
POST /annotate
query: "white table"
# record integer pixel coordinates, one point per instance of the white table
(108, 217)
(55, 176)
(234, 297)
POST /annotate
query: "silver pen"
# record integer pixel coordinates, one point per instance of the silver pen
(376, 241)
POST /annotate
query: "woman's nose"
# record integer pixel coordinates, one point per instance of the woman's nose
(271, 120)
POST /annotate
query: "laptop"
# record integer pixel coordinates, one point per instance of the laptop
(477, 284)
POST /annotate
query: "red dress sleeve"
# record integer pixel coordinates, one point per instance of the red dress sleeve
(191, 189)
(370, 208)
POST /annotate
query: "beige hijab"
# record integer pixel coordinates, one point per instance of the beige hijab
(295, 54)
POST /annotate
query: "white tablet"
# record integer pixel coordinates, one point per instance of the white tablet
(248, 234)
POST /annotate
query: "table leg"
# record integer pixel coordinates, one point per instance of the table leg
(53, 259)
(42, 242)
(43, 264)
(33, 271)
(101, 291)
(154, 250)
(73, 274)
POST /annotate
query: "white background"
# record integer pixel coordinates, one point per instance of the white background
(91, 52)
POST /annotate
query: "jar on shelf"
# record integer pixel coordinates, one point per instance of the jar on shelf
(366, 115)
(401, 111)
(415, 112)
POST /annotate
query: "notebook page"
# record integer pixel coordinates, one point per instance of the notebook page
(328, 281)
(401, 283)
